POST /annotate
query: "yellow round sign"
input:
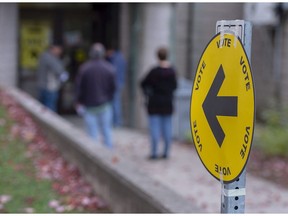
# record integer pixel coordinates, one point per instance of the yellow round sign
(223, 108)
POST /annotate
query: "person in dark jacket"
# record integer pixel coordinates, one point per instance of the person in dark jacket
(95, 87)
(158, 87)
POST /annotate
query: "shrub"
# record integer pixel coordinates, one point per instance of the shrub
(272, 137)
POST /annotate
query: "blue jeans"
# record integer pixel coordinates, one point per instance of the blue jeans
(160, 125)
(117, 109)
(100, 120)
(49, 99)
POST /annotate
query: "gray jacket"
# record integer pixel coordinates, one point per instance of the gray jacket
(49, 70)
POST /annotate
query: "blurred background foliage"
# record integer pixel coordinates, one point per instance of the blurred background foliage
(271, 135)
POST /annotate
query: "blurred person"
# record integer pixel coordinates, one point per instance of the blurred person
(50, 74)
(95, 87)
(116, 58)
(158, 87)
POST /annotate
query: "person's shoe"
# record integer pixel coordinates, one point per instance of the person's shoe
(152, 157)
(164, 156)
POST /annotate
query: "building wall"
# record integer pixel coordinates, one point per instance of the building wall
(185, 28)
(284, 65)
(182, 37)
(8, 43)
(205, 16)
(262, 67)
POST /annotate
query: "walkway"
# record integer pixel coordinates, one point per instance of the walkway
(184, 173)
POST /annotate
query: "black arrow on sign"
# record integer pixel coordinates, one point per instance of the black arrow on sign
(214, 105)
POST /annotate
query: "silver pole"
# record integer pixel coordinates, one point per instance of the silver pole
(233, 194)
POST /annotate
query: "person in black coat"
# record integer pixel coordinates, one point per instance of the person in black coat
(158, 87)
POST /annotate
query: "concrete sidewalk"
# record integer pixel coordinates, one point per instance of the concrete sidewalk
(184, 173)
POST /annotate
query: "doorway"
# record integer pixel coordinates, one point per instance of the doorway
(73, 25)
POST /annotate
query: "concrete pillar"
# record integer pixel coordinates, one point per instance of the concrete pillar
(156, 32)
(8, 43)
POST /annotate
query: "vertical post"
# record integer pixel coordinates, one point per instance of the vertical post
(135, 16)
(233, 194)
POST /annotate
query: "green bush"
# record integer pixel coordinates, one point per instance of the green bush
(272, 137)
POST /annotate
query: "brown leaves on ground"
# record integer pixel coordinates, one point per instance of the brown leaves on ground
(273, 168)
(76, 193)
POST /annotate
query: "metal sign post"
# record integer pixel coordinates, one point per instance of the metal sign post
(233, 194)
(222, 108)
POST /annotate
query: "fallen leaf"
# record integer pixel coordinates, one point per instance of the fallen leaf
(115, 160)
(29, 210)
(53, 204)
(4, 199)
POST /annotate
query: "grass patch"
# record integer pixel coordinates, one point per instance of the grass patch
(18, 176)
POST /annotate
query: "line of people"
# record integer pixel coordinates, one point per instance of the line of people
(99, 86)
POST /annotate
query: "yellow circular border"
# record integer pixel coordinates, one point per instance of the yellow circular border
(227, 162)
